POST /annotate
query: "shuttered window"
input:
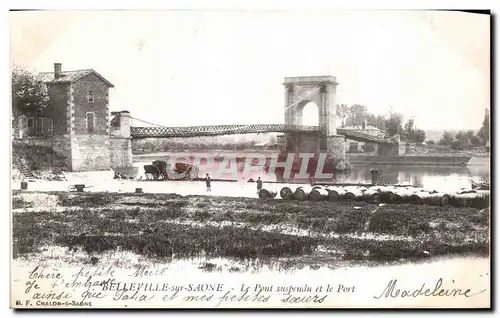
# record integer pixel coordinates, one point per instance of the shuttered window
(90, 122)
(50, 127)
(31, 122)
(39, 126)
(36, 126)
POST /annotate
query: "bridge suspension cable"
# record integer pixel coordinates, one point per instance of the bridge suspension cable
(147, 122)
(303, 96)
(161, 126)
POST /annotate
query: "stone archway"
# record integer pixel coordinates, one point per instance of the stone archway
(321, 90)
(309, 111)
(299, 91)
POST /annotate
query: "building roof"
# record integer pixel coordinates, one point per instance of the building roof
(71, 76)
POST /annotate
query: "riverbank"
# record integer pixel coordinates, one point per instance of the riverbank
(166, 226)
(410, 160)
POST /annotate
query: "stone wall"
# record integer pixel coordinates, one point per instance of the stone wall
(87, 152)
(90, 149)
(307, 143)
(388, 150)
(38, 141)
(58, 109)
(336, 145)
(62, 147)
(407, 148)
(120, 150)
(90, 152)
(43, 153)
(81, 88)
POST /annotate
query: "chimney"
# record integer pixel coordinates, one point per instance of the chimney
(57, 70)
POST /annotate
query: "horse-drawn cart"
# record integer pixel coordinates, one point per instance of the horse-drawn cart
(156, 171)
(159, 170)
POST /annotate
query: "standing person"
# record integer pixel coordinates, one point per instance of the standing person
(207, 181)
(312, 181)
(259, 184)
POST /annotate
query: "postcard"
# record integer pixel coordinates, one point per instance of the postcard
(250, 159)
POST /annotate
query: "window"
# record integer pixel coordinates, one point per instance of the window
(90, 122)
(22, 122)
(50, 127)
(90, 97)
(31, 122)
(39, 126)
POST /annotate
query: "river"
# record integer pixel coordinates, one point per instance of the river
(441, 178)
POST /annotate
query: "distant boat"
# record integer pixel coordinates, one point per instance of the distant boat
(482, 185)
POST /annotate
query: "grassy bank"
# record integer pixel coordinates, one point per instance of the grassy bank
(167, 225)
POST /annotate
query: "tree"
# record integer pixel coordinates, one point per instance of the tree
(470, 133)
(462, 141)
(371, 119)
(447, 139)
(29, 92)
(456, 144)
(381, 122)
(475, 141)
(473, 138)
(419, 136)
(148, 145)
(484, 132)
(461, 135)
(343, 112)
(358, 114)
(409, 131)
(393, 124)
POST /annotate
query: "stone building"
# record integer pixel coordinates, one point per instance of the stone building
(76, 123)
(356, 146)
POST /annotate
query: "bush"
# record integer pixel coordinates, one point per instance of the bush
(419, 228)
(387, 222)
(38, 157)
(153, 232)
(351, 221)
(456, 145)
(88, 199)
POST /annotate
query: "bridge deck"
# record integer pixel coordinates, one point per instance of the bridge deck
(218, 130)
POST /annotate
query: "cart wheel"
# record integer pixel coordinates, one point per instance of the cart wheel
(157, 174)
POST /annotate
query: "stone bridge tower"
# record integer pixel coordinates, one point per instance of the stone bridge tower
(321, 90)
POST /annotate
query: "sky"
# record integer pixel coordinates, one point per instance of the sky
(182, 68)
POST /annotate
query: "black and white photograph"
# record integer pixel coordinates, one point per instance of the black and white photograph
(250, 159)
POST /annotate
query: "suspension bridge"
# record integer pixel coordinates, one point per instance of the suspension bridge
(299, 91)
(141, 132)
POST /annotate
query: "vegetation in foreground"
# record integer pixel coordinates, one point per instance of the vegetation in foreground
(164, 225)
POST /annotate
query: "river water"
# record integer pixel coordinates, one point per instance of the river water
(441, 178)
